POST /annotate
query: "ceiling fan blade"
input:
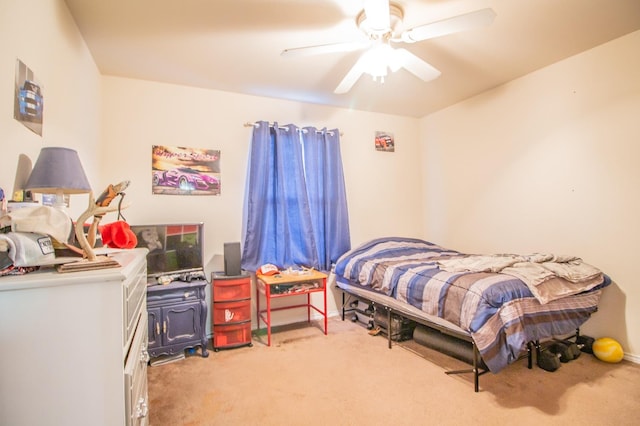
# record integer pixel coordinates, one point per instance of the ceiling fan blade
(377, 13)
(321, 49)
(415, 65)
(467, 21)
(352, 76)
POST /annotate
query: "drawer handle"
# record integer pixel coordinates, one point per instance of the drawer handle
(188, 294)
(142, 409)
(164, 327)
(157, 329)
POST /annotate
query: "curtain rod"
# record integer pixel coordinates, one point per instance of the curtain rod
(247, 124)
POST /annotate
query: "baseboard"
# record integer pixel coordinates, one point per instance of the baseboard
(633, 358)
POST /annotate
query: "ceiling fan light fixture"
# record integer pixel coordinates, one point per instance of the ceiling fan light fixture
(395, 61)
(379, 58)
(373, 64)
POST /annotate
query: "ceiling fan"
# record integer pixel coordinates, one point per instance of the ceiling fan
(379, 21)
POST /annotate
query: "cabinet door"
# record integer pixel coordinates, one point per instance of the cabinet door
(182, 323)
(155, 327)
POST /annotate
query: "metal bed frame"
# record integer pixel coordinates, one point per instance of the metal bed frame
(476, 367)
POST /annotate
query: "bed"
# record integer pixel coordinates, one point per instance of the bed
(501, 304)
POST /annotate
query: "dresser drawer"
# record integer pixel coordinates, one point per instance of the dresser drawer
(231, 312)
(231, 289)
(134, 293)
(135, 377)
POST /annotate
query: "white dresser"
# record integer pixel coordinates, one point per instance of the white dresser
(73, 346)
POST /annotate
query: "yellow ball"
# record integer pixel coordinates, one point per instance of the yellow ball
(608, 350)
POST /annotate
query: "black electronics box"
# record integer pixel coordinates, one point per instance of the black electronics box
(232, 259)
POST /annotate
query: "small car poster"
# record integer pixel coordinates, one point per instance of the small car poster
(178, 170)
(28, 101)
(385, 141)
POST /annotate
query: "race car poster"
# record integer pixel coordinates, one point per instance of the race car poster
(385, 142)
(28, 104)
(178, 170)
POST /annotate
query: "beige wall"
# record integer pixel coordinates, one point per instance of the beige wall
(382, 188)
(548, 163)
(42, 34)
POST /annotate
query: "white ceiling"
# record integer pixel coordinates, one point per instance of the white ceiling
(235, 45)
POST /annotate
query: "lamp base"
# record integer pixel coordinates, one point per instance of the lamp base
(101, 262)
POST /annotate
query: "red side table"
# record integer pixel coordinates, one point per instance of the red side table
(286, 285)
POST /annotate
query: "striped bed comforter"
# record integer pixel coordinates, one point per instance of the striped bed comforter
(498, 310)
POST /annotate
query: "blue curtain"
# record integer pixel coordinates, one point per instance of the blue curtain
(296, 208)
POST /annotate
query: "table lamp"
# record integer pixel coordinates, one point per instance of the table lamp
(58, 171)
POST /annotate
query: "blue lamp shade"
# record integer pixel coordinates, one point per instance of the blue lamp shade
(58, 170)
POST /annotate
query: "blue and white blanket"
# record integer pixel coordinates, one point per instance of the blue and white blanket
(498, 310)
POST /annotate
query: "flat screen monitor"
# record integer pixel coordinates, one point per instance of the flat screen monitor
(174, 248)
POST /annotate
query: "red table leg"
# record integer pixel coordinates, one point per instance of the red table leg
(324, 293)
(267, 291)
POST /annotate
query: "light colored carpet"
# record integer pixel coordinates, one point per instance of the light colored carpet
(349, 377)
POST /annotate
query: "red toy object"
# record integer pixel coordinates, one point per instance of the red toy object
(118, 235)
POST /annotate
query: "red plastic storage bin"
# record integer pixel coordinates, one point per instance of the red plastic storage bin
(225, 289)
(226, 336)
(231, 312)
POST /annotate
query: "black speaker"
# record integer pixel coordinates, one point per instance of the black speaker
(232, 259)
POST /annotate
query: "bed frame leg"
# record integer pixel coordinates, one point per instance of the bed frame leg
(536, 343)
(389, 327)
(475, 369)
(345, 300)
(476, 377)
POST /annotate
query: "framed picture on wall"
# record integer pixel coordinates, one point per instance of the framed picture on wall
(385, 141)
(28, 104)
(178, 170)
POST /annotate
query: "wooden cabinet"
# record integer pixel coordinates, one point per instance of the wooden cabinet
(74, 346)
(177, 317)
(231, 317)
